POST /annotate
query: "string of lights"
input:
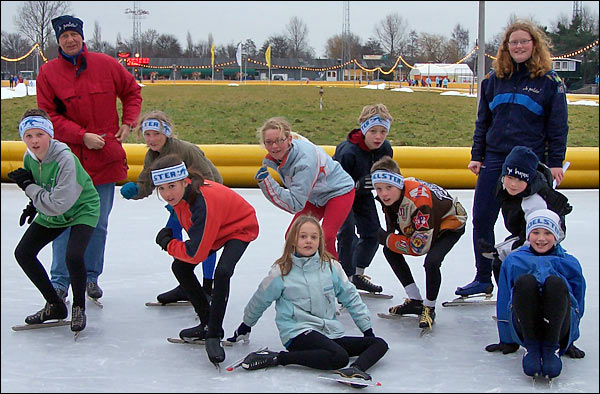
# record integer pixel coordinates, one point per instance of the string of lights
(338, 66)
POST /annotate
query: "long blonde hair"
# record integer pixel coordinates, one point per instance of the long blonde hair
(285, 261)
(540, 61)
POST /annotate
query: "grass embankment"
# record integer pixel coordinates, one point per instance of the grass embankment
(231, 115)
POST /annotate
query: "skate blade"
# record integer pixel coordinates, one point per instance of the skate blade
(375, 295)
(393, 316)
(95, 301)
(178, 303)
(58, 323)
(201, 342)
(76, 335)
(426, 330)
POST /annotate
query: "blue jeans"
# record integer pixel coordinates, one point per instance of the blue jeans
(352, 250)
(208, 265)
(486, 207)
(94, 253)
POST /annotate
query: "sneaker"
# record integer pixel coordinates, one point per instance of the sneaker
(193, 334)
(93, 290)
(177, 294)
(78, 318)
(57, 311)
(215, 351)
(532, 360)
(362, 282)
(475, 287)
(551, 364)
(353, 372)
(261, 359)
(427, 317)
(62, 294)
(409, 307)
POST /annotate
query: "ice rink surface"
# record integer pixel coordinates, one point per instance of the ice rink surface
(124, 347)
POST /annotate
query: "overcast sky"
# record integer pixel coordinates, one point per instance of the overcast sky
(235, 21)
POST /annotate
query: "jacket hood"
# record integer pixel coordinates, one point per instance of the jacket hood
(54, 150)
(307, 262)
(356, 137)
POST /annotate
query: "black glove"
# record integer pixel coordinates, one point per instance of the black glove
(574, 352)
(28, 214)
(382, 236)
(506, 348)
(364, 183)
(241, 334)
(163, 237)
(369, 333)
(22, 177)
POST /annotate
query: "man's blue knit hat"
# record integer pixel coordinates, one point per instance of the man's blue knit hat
(65, 23)
(521, 163)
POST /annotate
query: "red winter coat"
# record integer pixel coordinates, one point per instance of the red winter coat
(87, 103)
(218, 215)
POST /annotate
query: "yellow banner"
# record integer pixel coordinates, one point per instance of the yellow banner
(212, 55)
(268, 56)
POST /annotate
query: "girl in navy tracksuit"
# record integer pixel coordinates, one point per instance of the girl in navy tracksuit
(522, 102)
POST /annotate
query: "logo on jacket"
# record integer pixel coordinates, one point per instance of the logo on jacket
(421, 220)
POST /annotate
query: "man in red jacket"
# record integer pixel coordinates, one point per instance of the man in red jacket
(79, 91)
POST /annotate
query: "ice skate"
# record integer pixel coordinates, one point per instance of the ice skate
(362, 282)
(215, 351)
(93, 290)
(78, 320)
(56, 311)
(474, 289)
(194, 334)
(353, 372)
(261, 359)
(409, 307)
(175, 295)
(551, 363)
(427, 319)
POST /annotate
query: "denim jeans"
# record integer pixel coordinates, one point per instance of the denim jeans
(208, 265)
(94, 254)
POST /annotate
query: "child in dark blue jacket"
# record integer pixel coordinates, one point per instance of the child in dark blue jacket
(541, 299)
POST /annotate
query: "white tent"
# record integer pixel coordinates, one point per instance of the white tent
(455, 72)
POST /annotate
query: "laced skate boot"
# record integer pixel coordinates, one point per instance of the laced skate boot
(78, 318)
(362, 282)
(56, 311)
(215, 351)
(353, 372)
(93, 290)
(177, 294)
(532, 360)
(427, 317)
(551, 364)
(261, 359)
(409, 307)
(475, 287)
(194, 334)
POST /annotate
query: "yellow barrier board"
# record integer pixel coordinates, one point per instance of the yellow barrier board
(445, 166)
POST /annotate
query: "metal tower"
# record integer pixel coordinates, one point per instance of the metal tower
(577, 9)
(346, 38)
(137, 14)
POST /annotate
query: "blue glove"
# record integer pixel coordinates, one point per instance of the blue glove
(261, 174)
(129, 190)
(369, 333)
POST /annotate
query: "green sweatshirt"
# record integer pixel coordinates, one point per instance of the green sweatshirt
(63, 193)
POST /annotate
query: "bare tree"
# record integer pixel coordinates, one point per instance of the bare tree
(279, 46)
(148, 40)
(391, 32)
(167, 45)
(189, 48)
(433, 47)
(249, 48)
(333, 47)
(34, 19)
(297, 33)
(95, 43)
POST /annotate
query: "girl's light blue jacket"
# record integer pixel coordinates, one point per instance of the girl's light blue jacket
(305, 299)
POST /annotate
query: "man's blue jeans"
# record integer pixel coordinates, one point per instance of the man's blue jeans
(94, 254)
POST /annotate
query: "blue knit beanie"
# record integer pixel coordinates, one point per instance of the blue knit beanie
(521, 163)
(65, 23)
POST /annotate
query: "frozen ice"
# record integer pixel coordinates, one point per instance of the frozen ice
(124, 347)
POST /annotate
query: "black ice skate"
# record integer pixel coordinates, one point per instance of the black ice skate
(215, 351)
(56, 311)
(362, 282)
(174, 295)
(353, 372)
(78, 319)
(427, 319)
(409, 307)
(194, 334)
(260, 359)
